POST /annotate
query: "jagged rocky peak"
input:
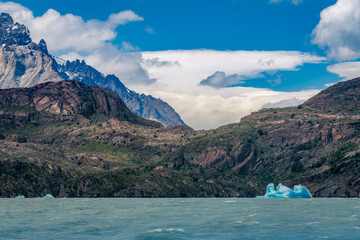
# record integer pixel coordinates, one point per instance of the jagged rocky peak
(13, 33)
(42, 46)
(16, 34)
(75, 64)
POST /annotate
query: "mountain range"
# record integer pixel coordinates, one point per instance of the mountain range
(24, 63)
(72, 139)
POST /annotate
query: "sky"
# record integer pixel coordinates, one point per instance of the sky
(213, 61)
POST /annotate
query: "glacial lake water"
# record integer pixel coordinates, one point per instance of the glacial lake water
(216, 218)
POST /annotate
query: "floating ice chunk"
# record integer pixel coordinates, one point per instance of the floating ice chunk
(270, 188)
(21, 196)
(285, 192)
(48, 196)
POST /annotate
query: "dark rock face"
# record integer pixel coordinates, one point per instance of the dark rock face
(141, 104)
(71, 98)
(332, 99)
(13, 33)
(42, 47)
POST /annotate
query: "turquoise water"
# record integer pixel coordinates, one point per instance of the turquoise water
(180, 218)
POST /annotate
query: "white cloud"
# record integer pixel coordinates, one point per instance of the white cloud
(346, 70)
(275, 81)
(150, 30)
(295, 2)
(284, 103)
(339, 30)
(329, 84)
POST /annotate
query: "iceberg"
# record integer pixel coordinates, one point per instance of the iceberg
(48, 196)
(284, 192)
(21, 196)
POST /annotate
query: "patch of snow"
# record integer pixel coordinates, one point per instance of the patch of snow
(59, 61)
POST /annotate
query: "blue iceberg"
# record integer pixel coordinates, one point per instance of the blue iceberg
(48, 196)
(285, 192)
(21, 196)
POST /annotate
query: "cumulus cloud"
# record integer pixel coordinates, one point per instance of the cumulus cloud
(346, 70)
(339, 30)
(275, 81)
(295, 2)
(150, 30)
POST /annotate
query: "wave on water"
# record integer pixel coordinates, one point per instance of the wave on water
(230, 201)
(311, 223)
(158, 230)
(248, 223)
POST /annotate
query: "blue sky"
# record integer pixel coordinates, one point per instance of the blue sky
(229, 57)
(194, 24)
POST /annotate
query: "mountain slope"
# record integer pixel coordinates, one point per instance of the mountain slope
(61, 138)
(70, 98)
